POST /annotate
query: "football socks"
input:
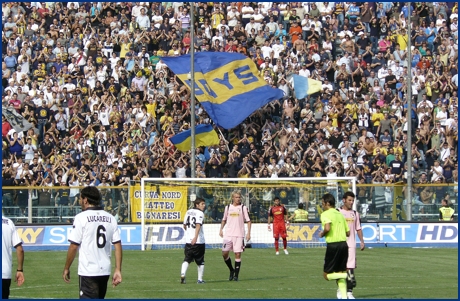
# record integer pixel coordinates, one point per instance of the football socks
(200, 272)
(342, 284)
(228, 262)
(237, 268)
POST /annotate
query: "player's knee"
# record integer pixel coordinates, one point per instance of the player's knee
(325, 276)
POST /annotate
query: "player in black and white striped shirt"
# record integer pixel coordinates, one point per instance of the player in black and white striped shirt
(194, 239)
(94, 231)
(10, 240)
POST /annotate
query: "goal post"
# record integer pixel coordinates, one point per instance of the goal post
(159, 204)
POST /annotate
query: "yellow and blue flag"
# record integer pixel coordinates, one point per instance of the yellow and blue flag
(305, 86)
(205, 135)
(227, 85)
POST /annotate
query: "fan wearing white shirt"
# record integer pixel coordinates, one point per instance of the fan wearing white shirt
(436, 171)
(29, 150)
(444, 152)
(136, 10)
(397, 69)
(266, 64)
(157, 19)
(104, 116)
(325, 9)
(441, 116)
(266, 49)
(277, 48)
(247, 12)
(233, 16)
(251, 25)
(381, 74)
(304, 71)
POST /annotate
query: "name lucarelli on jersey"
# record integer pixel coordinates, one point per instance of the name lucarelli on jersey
(98, 218)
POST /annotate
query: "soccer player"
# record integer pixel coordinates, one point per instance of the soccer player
(94, 231)
(280, 218)
(354, 223)
(194, 239)
(10, 240)
(235, 215)
(336, 231)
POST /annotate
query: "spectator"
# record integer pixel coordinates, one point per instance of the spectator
(92, 82)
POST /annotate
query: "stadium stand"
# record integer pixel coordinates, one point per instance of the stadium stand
(87, 99)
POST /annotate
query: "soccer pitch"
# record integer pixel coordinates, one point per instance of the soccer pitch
(382, 273)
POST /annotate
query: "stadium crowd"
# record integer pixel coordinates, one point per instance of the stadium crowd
(89, 78)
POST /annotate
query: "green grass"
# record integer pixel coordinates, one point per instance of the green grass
(383, 273)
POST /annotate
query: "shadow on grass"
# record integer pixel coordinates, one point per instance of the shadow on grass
(380, 296)
(241, 279)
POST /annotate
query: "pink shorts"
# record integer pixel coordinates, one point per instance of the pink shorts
(233, 243)
(351, 263)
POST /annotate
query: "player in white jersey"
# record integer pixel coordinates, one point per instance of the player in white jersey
(10, 240)
(234, 217)
(194, 240)
(94, 231)
(354, 223)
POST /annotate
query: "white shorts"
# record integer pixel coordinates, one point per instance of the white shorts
(233, 243)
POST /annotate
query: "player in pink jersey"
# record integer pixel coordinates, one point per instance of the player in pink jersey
(234, 217)
(354, 223)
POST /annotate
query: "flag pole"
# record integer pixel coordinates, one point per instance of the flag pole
(409, 118)
(192, 91)
(228, 148)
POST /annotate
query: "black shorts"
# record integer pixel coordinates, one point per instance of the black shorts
(336, 257)
(6, 283)
(93, 287)
(194, 252)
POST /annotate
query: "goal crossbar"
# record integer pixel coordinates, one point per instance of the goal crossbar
(238, 182)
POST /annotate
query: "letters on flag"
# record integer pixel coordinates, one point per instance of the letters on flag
(304, 86)
(226, 84)
(205, 135)
(16, 120)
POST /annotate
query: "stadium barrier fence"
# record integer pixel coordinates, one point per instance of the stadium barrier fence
(375, 203)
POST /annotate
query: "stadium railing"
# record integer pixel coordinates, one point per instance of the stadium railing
(376, 202)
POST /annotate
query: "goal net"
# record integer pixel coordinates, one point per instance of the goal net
(160, 204)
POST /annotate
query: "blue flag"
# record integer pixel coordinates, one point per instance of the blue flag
(204, 136)
(226, 84)
(206, 154)
(304, 86)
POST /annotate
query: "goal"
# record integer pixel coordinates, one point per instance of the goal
(159, 204)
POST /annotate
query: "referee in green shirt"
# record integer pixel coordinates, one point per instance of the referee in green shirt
(336, 231)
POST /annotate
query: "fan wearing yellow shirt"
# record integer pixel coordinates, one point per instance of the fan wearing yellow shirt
(376, 117)
(380, 150)
(152, 107)
(402, 38)
(353, 107)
